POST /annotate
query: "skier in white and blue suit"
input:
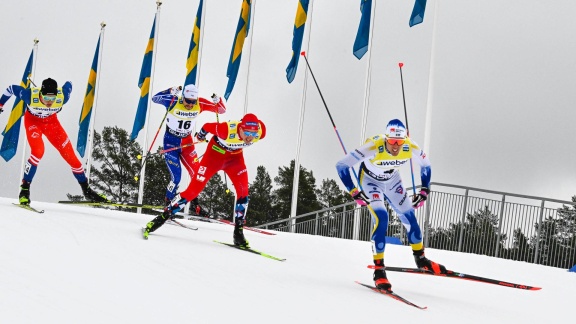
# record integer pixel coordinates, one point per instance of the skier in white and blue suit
(380, 158)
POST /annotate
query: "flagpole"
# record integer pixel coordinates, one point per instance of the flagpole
(198, 65)
(253, 18)
(368, 77)
(25, 142)
(93, 117)
(357, 211)
(296, 178)
(145, 144)
(185, 176)
(430, 99)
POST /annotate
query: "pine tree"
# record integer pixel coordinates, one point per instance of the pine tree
(260, 210)
(115, 164)
(307, 199)
(74, 197)
(330, 194)
(156, 180)
(521, 249)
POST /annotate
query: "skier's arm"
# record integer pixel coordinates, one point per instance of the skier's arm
(215, 105)
(360, 154)
(167, 98)
(17, 91)
(425, 166)
(67, 91)
(217, 129)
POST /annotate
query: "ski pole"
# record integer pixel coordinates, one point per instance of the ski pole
(325, 105)
(139, 157)
(157, 132)
(407, 128)
(334, 125)
(34, 84)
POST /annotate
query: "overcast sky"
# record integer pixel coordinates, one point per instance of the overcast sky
(86, 265)
(501, 92)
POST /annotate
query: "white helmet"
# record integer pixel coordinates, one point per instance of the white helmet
(395, 129)
(190, 92)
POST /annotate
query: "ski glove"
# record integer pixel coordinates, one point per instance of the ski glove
(419, 199)
(359, 196)
(201, 135)
(175, 90)
(1, 108)
(215, 98)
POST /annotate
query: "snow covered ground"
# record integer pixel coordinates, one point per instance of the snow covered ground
(82, 265)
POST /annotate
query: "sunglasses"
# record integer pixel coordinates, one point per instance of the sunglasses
(395, 141)
(190, 101)
(248, 134)
(48, 97)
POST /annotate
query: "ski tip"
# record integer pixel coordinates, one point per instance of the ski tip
(534, 288)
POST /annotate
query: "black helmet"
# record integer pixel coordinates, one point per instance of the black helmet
(49, 87)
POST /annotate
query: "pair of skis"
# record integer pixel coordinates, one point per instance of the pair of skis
(222, 221)
(247, 249)
(251, 250)
(449, 274)
(111, 204)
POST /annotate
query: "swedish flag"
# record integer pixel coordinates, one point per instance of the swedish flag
(86, 112)
(363, 35)
(12, 130)
(236, 54)
(418, 12)
(144, 85)
(192, 60)
(299, 25)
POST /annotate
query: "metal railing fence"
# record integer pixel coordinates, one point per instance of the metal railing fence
(465, 222)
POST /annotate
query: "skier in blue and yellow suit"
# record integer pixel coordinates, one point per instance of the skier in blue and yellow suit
(381, 157)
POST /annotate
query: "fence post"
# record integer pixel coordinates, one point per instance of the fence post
(427, 220)
(343, 218)
(356, 227)
(463, 220)
(316, 225)
(536, 251)
(500, 225)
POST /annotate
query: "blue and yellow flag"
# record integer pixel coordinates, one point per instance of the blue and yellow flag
(12, 130)
(144, 85)
(86, 112)
(418, 12)
(192, 60)
(363, 35)
(299, 25)
(236, 54)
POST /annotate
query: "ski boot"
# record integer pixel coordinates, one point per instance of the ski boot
(423, 263)
(24, 196)
(92, 195)
(239, 239)
(380, 280)
(155, 224)
(173, 207)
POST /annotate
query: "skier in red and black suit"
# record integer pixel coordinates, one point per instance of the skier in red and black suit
(42, 105)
